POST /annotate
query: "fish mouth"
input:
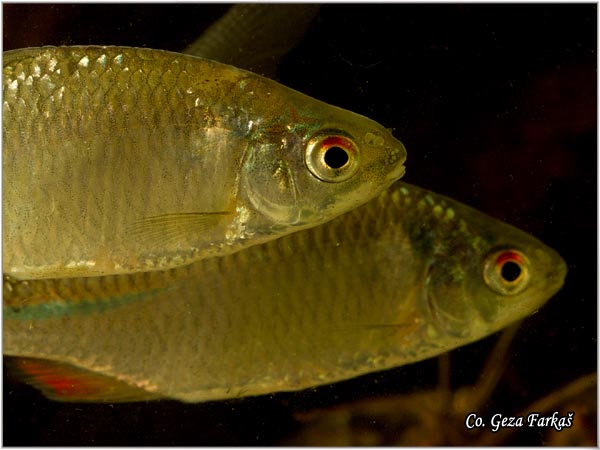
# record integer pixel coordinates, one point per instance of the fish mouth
(397, 173)
(554, 273)
(397, 157)
(556, 277)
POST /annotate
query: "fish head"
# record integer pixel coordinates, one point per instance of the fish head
(486, 275)
(317, 167)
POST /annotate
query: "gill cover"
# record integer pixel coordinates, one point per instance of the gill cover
(447, 299)
(330, 156)
(269, 183)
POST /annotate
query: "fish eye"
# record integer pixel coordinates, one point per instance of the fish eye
(336, 157)
(506, 271)
(332, 157)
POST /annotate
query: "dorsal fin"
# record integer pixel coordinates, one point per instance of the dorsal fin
(64, 382)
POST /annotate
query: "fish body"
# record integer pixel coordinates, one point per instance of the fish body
(118, 160)
(409, 275)
(255, 36)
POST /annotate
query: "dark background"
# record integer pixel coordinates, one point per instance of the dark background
(496, 105)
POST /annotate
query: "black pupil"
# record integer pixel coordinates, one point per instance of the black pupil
(510, 271)
(336, 157)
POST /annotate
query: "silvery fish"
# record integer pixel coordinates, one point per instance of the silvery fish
(117, 160)
(407, 276)
(255, 36)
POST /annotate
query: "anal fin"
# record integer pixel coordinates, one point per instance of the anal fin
(64, 382)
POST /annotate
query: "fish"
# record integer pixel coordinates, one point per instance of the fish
(407, 276)
(119, 160)
(438, 416)
(255, 36)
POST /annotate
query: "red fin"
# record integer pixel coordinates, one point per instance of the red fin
(64, 382)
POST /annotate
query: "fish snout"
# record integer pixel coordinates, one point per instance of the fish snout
(396, 159)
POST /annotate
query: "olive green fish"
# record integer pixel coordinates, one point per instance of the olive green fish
(255, 36)
(407, 276)
(117, 160)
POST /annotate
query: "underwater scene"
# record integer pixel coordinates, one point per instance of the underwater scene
(495, 106)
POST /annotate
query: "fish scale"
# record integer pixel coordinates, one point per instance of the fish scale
(358, 294)
(149, 160)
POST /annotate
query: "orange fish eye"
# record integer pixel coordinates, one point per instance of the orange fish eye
(506, 271)
(332, 157)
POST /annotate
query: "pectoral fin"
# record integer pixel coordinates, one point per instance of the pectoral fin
(168, 228)
(66, 383)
